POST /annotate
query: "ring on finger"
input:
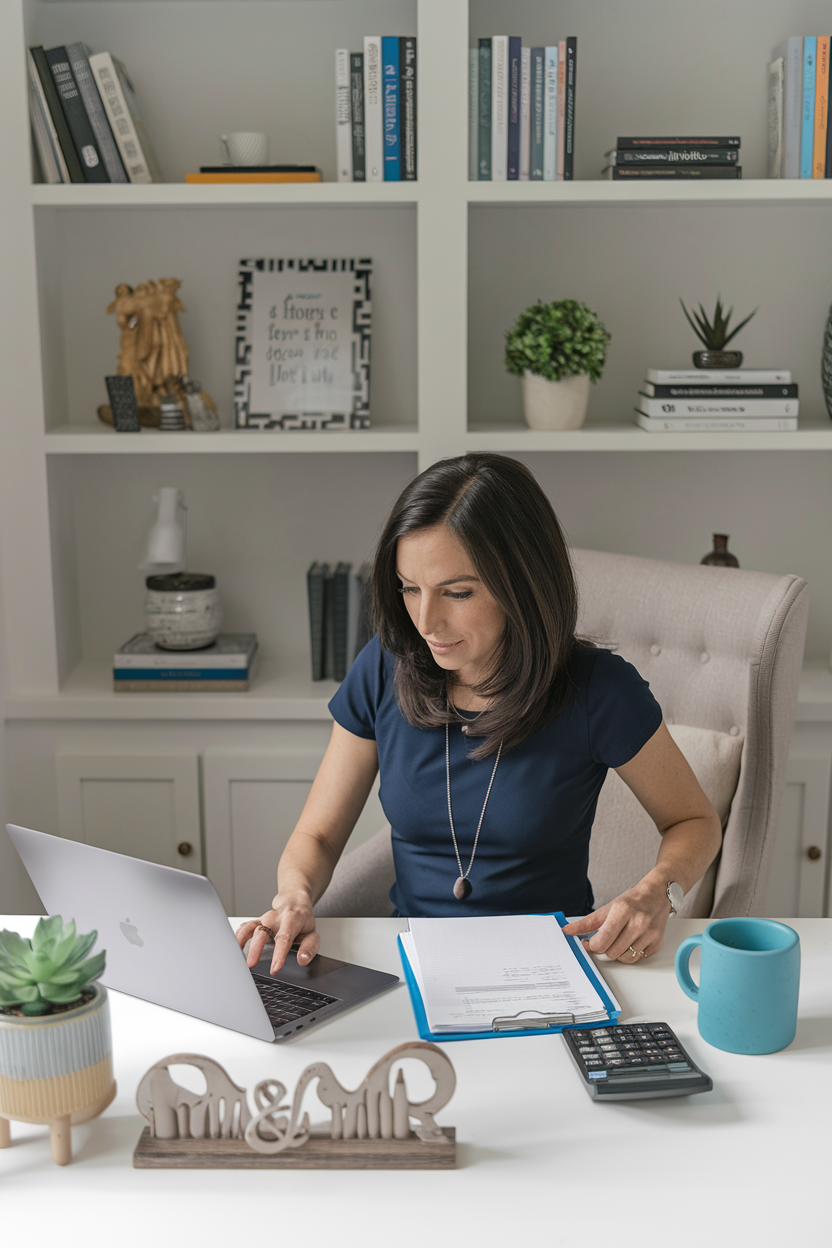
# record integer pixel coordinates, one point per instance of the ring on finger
(261, 927)
(637, 953)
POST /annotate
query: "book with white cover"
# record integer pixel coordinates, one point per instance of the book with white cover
(508, 973)
(550, 121)
(473, 112)
(118, 95)
(725, 424)
(721, 376)
(373, 110)
(40, 108)
(717, 407)
(499, 108)
(791, 50)
(230, 650)
(525, 113)
(343, 115)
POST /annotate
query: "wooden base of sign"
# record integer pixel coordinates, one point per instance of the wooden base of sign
(320, 1152)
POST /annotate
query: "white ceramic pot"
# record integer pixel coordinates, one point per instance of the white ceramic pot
(183, 610)
(555, 404)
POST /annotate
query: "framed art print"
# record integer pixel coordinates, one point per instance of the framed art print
(302, 359)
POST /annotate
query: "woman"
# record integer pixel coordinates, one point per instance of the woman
(493, 727)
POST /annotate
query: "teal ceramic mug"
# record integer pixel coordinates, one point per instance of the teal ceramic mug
(747, 993)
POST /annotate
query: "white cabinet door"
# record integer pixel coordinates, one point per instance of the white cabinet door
(143, 805)
(252, 803)
(799, 865)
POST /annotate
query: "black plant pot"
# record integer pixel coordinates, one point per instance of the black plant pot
(717, 359)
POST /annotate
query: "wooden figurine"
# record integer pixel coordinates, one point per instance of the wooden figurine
(369, 1128)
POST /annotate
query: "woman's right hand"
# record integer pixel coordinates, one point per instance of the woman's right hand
(291, 920)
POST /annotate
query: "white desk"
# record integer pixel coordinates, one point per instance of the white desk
(539, 1162)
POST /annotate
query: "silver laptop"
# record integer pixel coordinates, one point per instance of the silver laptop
(168, 941)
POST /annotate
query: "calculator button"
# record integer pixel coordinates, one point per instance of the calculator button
(678, 1066)
(601, 1032)
(640, 1029)
(615, 1061)
(656, 1061)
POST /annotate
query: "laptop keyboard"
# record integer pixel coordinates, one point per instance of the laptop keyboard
(285, 1002)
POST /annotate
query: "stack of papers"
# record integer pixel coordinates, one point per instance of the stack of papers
(511, 972)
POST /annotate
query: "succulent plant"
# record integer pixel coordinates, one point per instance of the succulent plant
(47, 970)
(557, 340)
(714, 334)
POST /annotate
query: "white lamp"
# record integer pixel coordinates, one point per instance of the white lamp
(166, 541)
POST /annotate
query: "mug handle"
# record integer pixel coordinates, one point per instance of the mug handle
(224, 146)
(689, 988)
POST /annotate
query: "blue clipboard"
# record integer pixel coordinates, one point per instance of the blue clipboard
(594, 978)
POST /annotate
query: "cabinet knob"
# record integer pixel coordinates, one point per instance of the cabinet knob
(814, 852)
(185, 848)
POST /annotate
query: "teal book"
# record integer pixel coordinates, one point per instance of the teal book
(807, 124)
(484, 126)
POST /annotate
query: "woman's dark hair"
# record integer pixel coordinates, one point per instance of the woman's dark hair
(498, 512)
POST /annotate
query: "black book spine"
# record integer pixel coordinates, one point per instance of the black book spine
(73, 164)
(685, 141)
(329, 623)
(569, 125)
(340, 619)
(407, 107)
(721, 392)
(536, 108)
(83, 137)
(359, 148)
(513, 157)
(315, 594)
(713, 172)
(484, 119)
(678, 156)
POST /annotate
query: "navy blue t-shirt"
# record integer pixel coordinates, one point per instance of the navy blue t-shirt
(533, 849)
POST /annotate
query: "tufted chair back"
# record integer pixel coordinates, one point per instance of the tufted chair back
(722, 649)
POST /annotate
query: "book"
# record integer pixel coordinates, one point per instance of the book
(359, 169)
(561, 106)
(513, 136)
(373, 118)
(121, 104)
(340, 620)
(537, 101)
(690, 424)
(408, 108)
(42, 131)
(52, 100)
(360, 625)
(791, 50)
(77, 120)
(499, 108)
(525, 115)
(230, 650)
(786, 391)
(717, 407)
(675, 156)
(642, 141)
(569, 115)
(238, 177)
(473, 113)
(464, 980)
(484, 112)
(821, 108)
(390, 107)
(329, 622)
(343, 116)
(776, 85)
(550, 129)
(315, 599)
(78, 54)
(807, 119)
(712, 173)
(721, 377)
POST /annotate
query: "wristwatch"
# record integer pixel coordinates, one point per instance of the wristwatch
(675, 896)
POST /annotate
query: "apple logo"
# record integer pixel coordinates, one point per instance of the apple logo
(131, 932)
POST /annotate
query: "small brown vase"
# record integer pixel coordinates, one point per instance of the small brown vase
(720, 556)
(717, 359)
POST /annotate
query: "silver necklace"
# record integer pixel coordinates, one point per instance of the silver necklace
(463, 886)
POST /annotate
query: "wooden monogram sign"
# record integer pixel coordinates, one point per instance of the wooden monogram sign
(368, 1128)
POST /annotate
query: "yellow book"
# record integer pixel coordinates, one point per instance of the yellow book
(821, 108)
(244, 177)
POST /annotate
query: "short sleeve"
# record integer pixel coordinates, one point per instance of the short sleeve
(623, 714)
(356, 704)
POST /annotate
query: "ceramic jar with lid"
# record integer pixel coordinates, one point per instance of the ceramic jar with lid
(183, 610)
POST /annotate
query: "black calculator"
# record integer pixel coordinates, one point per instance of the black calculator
(634, 1061)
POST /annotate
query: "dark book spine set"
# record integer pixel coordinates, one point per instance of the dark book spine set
(679, 157)
(338, 617)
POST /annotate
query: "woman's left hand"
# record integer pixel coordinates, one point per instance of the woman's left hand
(628, 927)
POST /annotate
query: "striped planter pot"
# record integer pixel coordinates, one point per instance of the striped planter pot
(57, 1066)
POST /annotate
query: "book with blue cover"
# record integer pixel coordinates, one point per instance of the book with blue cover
(807, 125)
(390, 108)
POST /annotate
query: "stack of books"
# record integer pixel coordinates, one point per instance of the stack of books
(799, 138)
(690, 157)
(239, 174)
(759, 400)
(86, 118)
(338, 617)
(521, 110)
(375, 110)
(227, 666)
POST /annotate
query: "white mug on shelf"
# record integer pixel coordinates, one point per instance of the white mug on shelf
(245, 148)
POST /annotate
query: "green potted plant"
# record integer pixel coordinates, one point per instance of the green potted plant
(557, 349)
(56, 1063)
(714, 336)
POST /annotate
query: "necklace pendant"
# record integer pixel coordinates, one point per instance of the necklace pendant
(462, 888)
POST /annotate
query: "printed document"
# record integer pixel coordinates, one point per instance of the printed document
(503, 973)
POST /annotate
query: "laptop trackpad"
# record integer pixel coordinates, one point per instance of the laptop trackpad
(295, 974)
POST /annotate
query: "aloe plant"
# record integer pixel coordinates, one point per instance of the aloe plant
(714, 333)
(47, 970)
(557, 340)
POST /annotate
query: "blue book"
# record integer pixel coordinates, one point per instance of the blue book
(180, 673)
(390, 108)
(807, 126)
(513, 169)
